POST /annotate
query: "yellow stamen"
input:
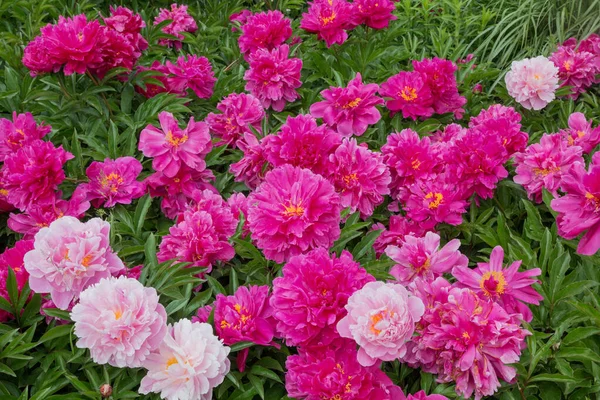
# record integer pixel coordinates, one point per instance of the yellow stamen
(113, 180)
(175, 141)
(293, 210)
(118, 314)
(436, 202)
(225, 324)
(545, 171)
(567, 66)
(580, 134)
(593, 199)
(348, 179)
(20, 132)
(327, 20)
(416, 164)
(238, 308)
(3, 192)
(498, 283)
(375, 320)
(353, 103)
(86, 260)
(408, 93)
(171, 361)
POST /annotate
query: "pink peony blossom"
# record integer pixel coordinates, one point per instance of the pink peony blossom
(265, 30)
(241, 18)
(581, 133)
(115, 51)
(329, 19)
(190, 72)
(36, 57)
(251, 168)
(439, 76)
(32, 174)
(13, 258)
(375, 14)
(273, 77)
(21, 131)
(292, 212)
(128, 24)
(181, 21)
(399, 228)
(239, 207)
(360, 176)
(408, 92)
(120, 321)
(381, 319)
(171, 147)
(532, 82)
(422, 257)
(114, 181)
(543, 164)
(309, 299)
(189, 363)
(501, 122)
(69, 256)
(239, 113)
(576, 68)
(349, 110)
(160, 72)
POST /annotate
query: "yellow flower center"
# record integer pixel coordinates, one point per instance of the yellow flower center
(80, 36)
(415, 164)
(567, 65)
(118, 314)
(375, 320)
(113, 180)
(349, 179)
(171, 361)
(408, 93)
(293, 210)
(437, 199)
(536, 77)
(545, 171)
(3, 192)
(20, 132)
(353, 103)
(86, 260)
(580, 134)
(595, 200)
(493, 283)
(327, 20)
(176, 141)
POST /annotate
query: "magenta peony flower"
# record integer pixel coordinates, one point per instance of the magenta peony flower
(128, 24)
(302, 143)
(375, 14)
(439, 77)
(532, 82)
(381, 319)
(360, 176)
(32, 174)
(408, 92)
(239, 113)
(329, 19)
(21, 131)
(36, 57)
(309, 299)
(576, 67)
(579, 209)
(13, 258)
(581, 133)
(190, 72)
(181, 21)
(120, 321)
(292, 212)
(239, 207)
(506, 286)
(422, 257)
(188, 364)
(70, 256)
(334, 373)
(273, 77)
(160, 73)
(501, 122)
(114, 182)
(241, 18)
(251, 168)
(171, 147)
(543, 164)
(265, 30)
(115, 50)
(399, 228)
(349, 110)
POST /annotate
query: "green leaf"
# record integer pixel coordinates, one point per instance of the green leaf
(57, 313)
(257, 383)
(573, 289)
(240, 346)
(534, 228)
(5, 369)
(365, 244)
(13, 289)
(261, 371)
(580, 333)
(56, 332)
(141, 210)
(552, 378)
(578, 354)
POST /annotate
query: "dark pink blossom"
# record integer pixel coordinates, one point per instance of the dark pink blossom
(181, 21)
(441, 79)
(376, 14)
(251, 169)
(580, 133)
(21, 131)
(13, 258)
(239, 112)
(114, 182)
(409, 93)
(265, 30)
(128, 24)
(329, 19)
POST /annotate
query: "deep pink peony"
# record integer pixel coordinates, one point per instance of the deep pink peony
(381, 319)
(13, 258)
(251, 168)
(32, 174)
(581, 133)
(375, 14)
(21, 131)
(36, 57)
(239, 112)
(190, 362)
(191, 72)
(506, 286)
(309, 299)
(239, 207)
(265, 30)
(181, 21)
(302, 143)
(422, 257)
(292, 212)
(399, 228)
(532, 82)
(273, 77)
(439, 77)
(329, 19)
(69, 256)
(360, 176)
(349, 110)
(172, 147)
(128, 24)
(501, 122)
(334, 373)
(160, 72)
(115, 51)
(543, 164)
(239, 17)
(408, 92)
(576, 68)
(114, 182)
(120, 321)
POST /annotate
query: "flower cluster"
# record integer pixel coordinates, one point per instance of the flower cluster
(578, 63)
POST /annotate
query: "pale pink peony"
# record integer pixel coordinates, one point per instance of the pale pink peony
(120, 321)
(532, 82)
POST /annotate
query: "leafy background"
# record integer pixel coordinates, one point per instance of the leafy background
(99, 119)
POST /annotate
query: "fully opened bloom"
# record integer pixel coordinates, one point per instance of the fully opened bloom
(381, 319)
(171, 147)
(532, 82)
(439, 77)
(265, 30)
(292, 212)
(128, 24)
(581, 133)
(399, 228)
(576, 68)
(239, 112)
(502, 122)
(114, 181)
(190, 72)
(329, 19)
(181, 21)
(13, 258)
(120, 321)
(423, 257)
(375, 14)
(19, 132)
(189, 363)
(349, 110)
(69, 256)
(309, 299)
(409, 93)
(507, 286)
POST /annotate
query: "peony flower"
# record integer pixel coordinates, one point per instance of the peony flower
(120, 321)
(422, 257)
(581, 133)
(445, 139)
(349, 110)
(241, 18)
(13, 258)
(329, 19)
(381, 319)
(408, 92)
(309, 298)
(114, 181)
(506, 286)
(265, 30)
(439, 77)
(251, 168)
(36, 57)
(273, 77)
(21, 131)
(399, 228)
(532, 82)
(334, 373)
(160, 73)
(69, 256)
(504, 123)
(292, 212)
(115, 51)
(579, 209)
(543, 164)
(181, 21)
(190, 72)
(375, 14)
(576, 68)
(188, 364)
(239, 113)
(171, 147)
(239, 207)
(302, 143)
(360, 176)
(128, 24)
(32, 174)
